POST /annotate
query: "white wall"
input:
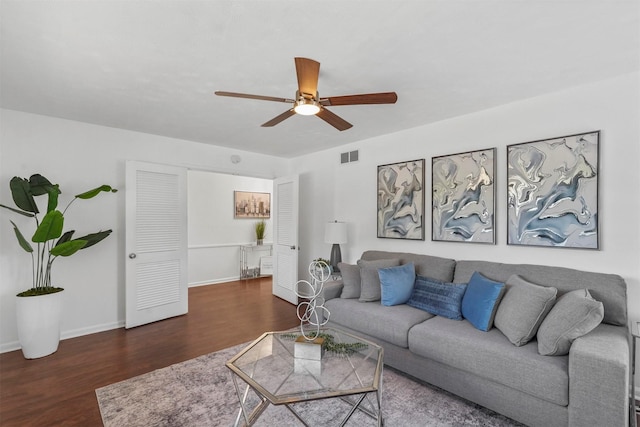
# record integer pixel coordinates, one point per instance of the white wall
(215, 235)
(64, 150)
(611, 106)
(79, 156)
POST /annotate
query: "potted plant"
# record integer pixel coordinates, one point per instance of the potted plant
(322, 266)
(261, 229)
(39, 308)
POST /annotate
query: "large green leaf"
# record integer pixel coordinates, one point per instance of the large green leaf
(50, 227)
(40, 185)
(53, 197)
(29, 214)
(94, 192)
(21, 193)
(68, 248)
(65, 237)
(94, 238)
(21, 240)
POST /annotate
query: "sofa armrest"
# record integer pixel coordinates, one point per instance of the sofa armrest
(599, 366)
(332, 289)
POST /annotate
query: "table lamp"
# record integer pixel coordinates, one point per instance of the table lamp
(335, 233)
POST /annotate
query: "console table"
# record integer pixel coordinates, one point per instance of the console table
(250, 254)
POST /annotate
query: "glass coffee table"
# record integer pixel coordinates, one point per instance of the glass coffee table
(350, 369)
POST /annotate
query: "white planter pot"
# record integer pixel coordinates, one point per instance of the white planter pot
(39, 324)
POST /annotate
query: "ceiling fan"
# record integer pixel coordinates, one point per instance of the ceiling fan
(307, 101)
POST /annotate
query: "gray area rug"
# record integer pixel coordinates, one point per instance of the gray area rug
(200, 392)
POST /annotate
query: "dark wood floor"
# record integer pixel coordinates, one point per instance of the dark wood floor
(59, 390)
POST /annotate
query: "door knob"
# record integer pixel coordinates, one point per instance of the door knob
(293, 248)
(132, 255)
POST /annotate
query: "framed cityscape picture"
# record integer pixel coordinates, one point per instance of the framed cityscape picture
(552, 192)
(463, 197)
(251, 205)
(401, 200)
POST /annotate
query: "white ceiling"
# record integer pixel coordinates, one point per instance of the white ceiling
(152, 66)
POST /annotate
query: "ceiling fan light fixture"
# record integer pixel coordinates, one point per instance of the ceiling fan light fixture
(308, 102)
(306, 107)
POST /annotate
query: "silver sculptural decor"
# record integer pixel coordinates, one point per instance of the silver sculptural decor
(463, 197)
(312, 312)
(400, 213)
(552, 197)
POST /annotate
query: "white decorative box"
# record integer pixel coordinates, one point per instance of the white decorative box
(311, 350)
(306, 366)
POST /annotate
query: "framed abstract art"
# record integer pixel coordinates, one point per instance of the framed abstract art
(552, 192)
(463, 197)
(401, 200)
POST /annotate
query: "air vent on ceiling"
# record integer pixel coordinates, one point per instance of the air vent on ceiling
(350, 156)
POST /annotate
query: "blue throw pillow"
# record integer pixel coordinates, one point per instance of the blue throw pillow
(441, 299)
(396, 283)
(481, 301)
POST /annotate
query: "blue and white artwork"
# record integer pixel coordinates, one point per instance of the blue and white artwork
(463, 197)
(401, 200)
(552, 197)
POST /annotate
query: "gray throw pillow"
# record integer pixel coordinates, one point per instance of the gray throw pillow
(575, 314)
(350, 280)
(369, 279)
(522, 309)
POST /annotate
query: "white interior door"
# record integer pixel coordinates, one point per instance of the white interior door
(156, 242)
(285, 238)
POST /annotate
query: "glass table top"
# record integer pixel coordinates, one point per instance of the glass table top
(349, 365)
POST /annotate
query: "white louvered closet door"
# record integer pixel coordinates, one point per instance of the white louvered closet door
(156, 243)
(285, 238)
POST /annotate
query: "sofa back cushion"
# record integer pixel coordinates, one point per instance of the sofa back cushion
(350, 279)
(434, 267)
(523, 308)
(441, 299)
(480, 301)
(575, 314)
(396, 284)
(610, 289)
(370, 280)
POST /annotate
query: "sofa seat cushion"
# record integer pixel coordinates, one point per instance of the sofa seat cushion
(490, 355)
(390, 324)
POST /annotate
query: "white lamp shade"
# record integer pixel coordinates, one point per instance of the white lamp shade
(335, 232)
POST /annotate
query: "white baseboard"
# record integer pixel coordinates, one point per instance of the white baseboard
(91, 330)
(213, 281)
(10, 346)
(15, 345)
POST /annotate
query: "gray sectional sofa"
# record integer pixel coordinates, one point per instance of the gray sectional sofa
(587, 387)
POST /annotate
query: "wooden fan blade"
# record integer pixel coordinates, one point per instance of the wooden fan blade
(279, 118)
(365, 98)
(249, 96)
(307, 71)
(334, 120)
